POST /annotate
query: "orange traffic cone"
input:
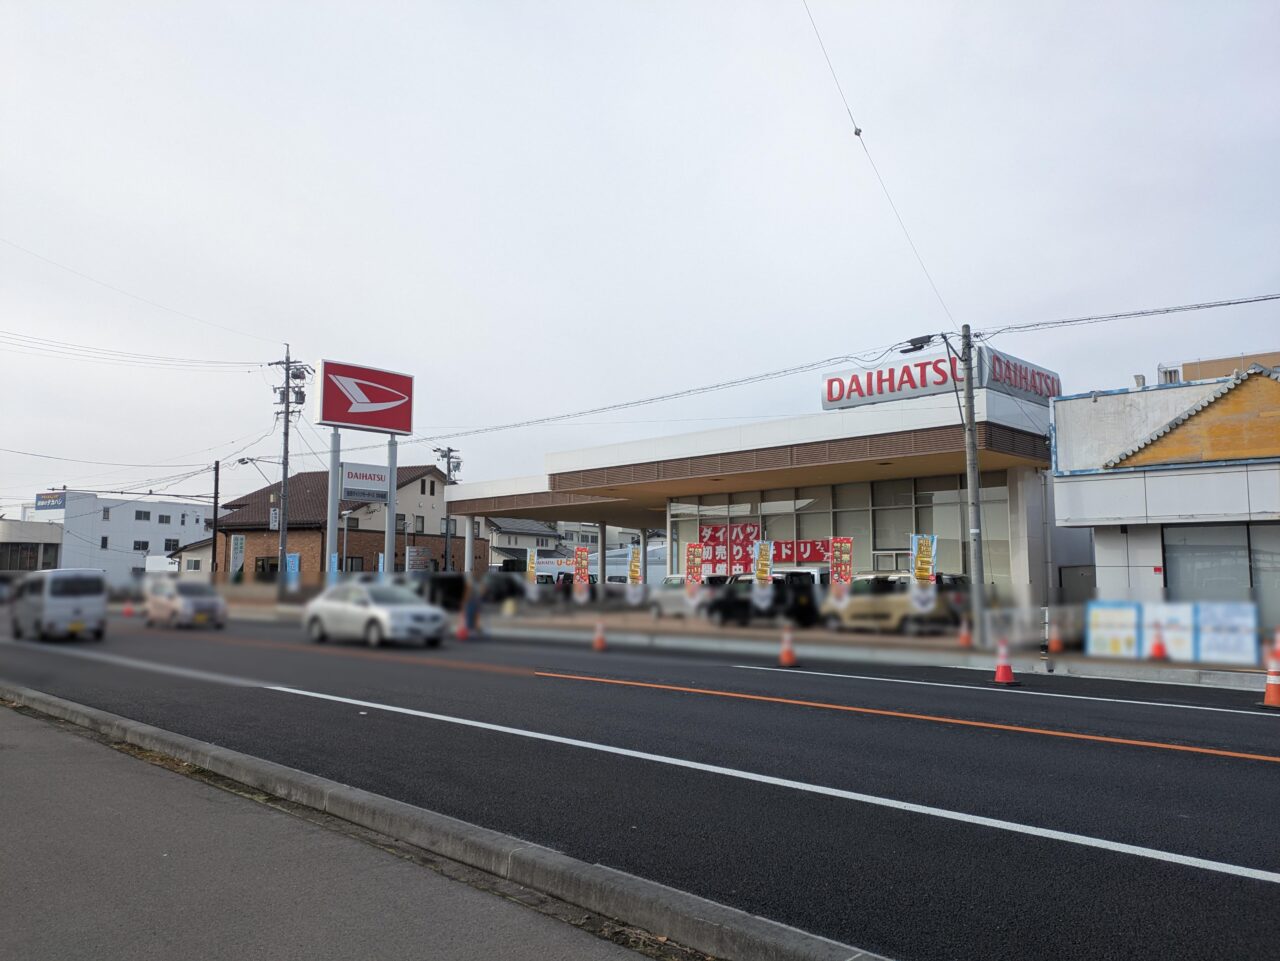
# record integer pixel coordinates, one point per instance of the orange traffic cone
(1055, 640)
(1272, 697)
(1004, 673)
(597, 642)
(1275, 647)
(966, 637)
(128, 609)
(1158, 651)
(462, 633)
(787, 656)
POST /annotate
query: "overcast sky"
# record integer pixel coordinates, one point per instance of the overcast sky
(538, 208)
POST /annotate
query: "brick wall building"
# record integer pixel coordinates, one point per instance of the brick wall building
(308, 502)
(361, 550)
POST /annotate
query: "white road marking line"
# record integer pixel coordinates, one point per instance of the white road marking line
(1003, 691)
(1080, 839)
(155, 667)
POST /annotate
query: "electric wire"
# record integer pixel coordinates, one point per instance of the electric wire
(857, 132)
(989, 333)
(138, 297)
(40, 343)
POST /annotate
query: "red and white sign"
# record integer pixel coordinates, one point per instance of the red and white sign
(918, 375)
(365, 398)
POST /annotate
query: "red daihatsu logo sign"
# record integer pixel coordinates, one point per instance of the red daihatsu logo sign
(365, 398)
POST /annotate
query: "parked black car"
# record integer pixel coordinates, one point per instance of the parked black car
(734, 603)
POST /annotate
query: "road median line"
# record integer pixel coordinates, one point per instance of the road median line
(707, 926)
(911, 716)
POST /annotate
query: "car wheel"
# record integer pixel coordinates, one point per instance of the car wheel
(433, 641)
(373, 634)
(315, 631)
(99, 634)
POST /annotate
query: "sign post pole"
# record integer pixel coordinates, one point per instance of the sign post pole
(389, 545)
(331, 520)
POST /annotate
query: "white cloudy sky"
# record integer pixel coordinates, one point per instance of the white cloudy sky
(541, 207)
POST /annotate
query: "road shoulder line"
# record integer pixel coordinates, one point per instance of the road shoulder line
(685, 918)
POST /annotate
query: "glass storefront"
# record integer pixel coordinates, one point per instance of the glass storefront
(880, 516)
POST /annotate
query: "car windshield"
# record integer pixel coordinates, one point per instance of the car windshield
(196, 590)
(393, 595)
(83, 586)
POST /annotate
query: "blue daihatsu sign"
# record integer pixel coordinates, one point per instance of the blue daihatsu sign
(54, 501)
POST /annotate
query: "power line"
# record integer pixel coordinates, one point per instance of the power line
(12, 346)
(857, 132)
(76, 460)
(863, 360)
(138, 297)
(42, 343)
(989, 333)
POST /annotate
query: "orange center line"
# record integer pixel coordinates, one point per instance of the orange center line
(937, 719)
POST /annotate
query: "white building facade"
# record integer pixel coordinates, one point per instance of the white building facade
(116, 535)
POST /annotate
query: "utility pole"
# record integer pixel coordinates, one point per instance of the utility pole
(213, 566)
(281, 561)
(977, 578)
(288, 396)
(446, 454)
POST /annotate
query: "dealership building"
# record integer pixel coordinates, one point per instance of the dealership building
(881, 458)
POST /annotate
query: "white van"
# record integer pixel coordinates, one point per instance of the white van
(69, 602)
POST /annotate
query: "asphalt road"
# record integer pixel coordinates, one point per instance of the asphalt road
(919, 813)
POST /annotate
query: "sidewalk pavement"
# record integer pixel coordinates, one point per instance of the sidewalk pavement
(108, 856)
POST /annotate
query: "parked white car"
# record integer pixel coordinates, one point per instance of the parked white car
(668, 599)
(175, 603)
(69, 602)
(373, 613)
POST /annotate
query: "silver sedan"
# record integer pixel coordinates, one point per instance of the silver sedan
(373, 613)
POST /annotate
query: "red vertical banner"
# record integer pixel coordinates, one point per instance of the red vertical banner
(692, 569)
(582, 573)
(841, 566)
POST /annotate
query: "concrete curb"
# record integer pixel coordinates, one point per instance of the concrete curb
(1023, 663)
(687, 919)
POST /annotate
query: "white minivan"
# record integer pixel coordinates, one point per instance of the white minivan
(69, 602)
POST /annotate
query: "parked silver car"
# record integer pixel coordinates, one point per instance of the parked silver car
(67, 602)
(373, 613)
(668, 597)
(184, 604)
